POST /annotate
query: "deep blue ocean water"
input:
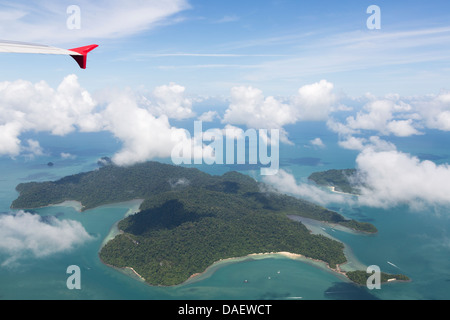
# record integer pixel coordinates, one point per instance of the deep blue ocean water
(416, 242)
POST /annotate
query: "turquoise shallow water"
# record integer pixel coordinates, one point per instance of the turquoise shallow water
(417, 243)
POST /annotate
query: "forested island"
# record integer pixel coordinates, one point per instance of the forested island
(342, 180)
(360, 277)
(190, 219)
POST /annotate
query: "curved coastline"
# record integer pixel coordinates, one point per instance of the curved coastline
(267, 255)
(75, 204)
(114, 230)
(128, 271)
(223, 262)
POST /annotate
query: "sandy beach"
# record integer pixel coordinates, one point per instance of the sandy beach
(135, 272)
(77, 205)
(265, 255)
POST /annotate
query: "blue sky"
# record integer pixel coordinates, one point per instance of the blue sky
(211, 46)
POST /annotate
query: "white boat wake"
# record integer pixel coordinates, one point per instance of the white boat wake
(393, 264)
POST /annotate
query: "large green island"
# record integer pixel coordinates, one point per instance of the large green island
(189, 219)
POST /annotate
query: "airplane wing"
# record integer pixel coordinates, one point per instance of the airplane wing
(79, 54)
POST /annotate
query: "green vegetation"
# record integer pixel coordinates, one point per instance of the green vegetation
(190, 219)
(359, 226)
(180, 233)
(360, 277)
(336, 178)
(108, 184)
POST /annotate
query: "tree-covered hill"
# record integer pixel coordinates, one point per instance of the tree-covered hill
(180, 233)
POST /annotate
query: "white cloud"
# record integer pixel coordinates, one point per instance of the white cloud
(25, 106)
(387, 116)
(285, 182)
(390, 178)
(374, 143)
(33, 149)
(395, 178)
(251, 108)
(379, 115)
(352, 143)
(9, 141)
(23, 233)
(143, 135)
(393, 115)
(208, 116)
(144, 129)
(169, 100)
(340, 128)
(317, 142)
(314, 101)
(46, 21)
(66, 155)
(435, 111)
(402, 128)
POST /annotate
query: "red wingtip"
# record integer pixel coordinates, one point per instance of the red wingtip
(81, 60)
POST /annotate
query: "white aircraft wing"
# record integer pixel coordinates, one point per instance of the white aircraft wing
(79, 54)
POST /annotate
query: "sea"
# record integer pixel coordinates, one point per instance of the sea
(412, 242)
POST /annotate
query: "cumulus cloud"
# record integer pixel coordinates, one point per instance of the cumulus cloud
(170, 100)
(314, 101)
(23, 234)
(352, 143)
(208, 116)
(435, 111)
(394, 178)
(33, 149)
(37, 107)
(251, 108)
(387, 116)
(143, 135)
(143, 128)
(385, 176)
(386, 179)
(317, 142)
(9, 138)
(285, 182)
(378, 116)
(389, 177)
(374, 143)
